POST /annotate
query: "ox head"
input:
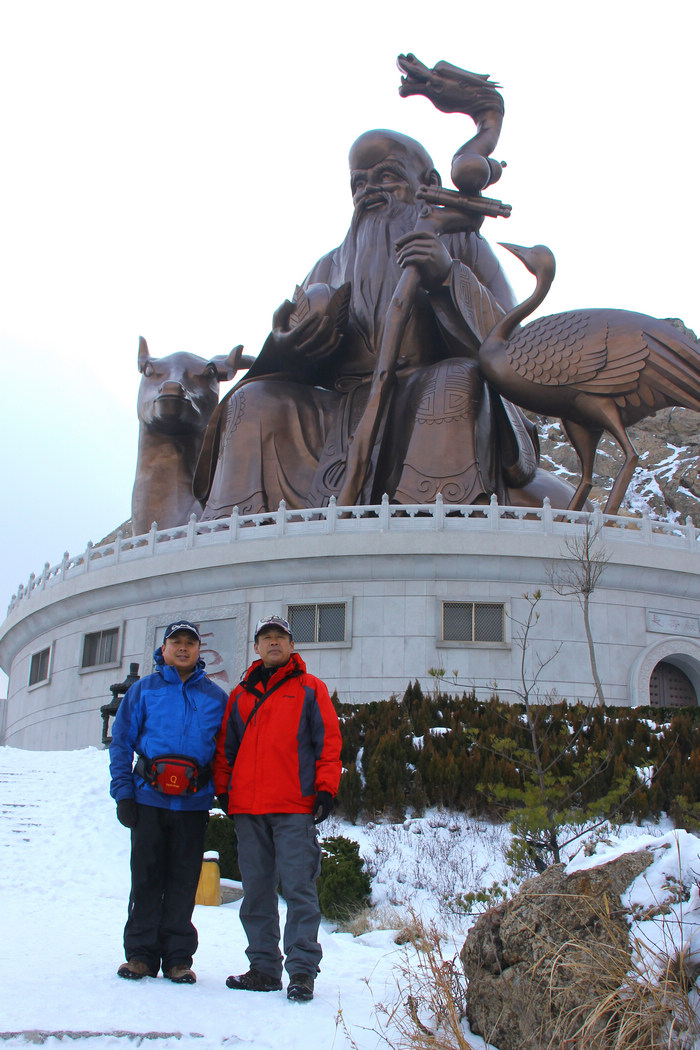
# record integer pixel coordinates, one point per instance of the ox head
(178, 393)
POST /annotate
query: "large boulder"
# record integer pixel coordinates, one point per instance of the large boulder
(535, 964)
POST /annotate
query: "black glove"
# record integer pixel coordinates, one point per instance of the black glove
(221, 802)
(322, 806)
(127, 812)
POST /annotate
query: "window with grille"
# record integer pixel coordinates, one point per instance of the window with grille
(39, 667)
(473, 622)
(318, 623)
(100, 648)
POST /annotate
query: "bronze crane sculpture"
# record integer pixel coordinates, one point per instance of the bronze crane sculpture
(597, 370)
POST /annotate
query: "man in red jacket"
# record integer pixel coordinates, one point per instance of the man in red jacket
(277, 770)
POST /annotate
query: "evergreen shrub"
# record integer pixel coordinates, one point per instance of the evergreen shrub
(470, 755)
(221, 837)
(344, 885)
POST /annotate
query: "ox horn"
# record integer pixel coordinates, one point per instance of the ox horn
(144, 355)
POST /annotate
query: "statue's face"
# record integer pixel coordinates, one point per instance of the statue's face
(177, 393)
(381, 170)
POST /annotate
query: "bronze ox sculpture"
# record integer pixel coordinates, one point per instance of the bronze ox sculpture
(176, 398)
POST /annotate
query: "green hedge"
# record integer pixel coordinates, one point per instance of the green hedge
(393, 762)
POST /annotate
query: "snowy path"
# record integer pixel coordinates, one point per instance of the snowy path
(64, 880)
(64, 883)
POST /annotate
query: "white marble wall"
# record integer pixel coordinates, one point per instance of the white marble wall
(393, 572)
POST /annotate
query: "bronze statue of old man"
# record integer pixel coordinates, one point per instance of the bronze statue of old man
(286, 431)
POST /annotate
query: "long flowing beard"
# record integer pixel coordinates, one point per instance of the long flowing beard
(369, 263)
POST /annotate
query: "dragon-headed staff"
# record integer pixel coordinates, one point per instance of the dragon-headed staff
(451, 90)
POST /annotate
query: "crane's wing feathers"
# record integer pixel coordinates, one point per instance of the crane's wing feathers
(642, 363)
(576, 349)
(626, 362)
(560, 349)
(673, 371)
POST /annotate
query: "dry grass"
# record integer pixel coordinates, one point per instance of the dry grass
(383, 917)
(653, 1002)
(430, 1008)
(652, 1005)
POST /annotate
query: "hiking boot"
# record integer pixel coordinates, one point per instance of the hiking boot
(180, 975)
(135, 969)
(300, 988)
(254, 981)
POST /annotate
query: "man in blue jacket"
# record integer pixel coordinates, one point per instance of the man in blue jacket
(170, 720)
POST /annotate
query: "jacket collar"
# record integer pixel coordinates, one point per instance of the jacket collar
(293, 667)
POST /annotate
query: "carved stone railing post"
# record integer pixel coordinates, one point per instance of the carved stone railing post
(494, 514)
(690, 533)
(151, 545)
(646, 525)
(234, 525)
(331, 515)
(281, 518)
(547, 518)
(384, 515)
(439, 513)
(191, 531)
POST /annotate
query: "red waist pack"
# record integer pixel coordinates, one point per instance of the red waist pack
(173, 774)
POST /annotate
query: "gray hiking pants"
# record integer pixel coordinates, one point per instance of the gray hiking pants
(274, 847)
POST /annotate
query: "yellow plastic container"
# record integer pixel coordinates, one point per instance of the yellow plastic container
(209, 885)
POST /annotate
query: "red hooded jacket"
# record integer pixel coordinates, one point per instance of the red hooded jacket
(279, 744)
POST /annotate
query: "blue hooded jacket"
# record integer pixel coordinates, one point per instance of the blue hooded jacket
(162, 715)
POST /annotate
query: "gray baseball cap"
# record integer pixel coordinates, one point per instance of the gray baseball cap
(272, 621)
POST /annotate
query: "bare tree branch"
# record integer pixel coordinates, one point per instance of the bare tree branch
(579, 578)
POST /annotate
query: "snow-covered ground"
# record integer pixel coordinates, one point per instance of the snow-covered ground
(64, 878)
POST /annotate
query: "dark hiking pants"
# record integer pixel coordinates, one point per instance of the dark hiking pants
(280, 846)
(166, 860)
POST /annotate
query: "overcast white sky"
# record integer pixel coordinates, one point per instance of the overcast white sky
(172, 170)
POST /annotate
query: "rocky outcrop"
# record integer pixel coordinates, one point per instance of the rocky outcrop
(667, 479)
(535, 964)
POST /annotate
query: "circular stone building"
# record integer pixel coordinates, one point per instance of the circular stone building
(377, 597)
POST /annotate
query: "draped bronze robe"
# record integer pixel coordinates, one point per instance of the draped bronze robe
(282, 434)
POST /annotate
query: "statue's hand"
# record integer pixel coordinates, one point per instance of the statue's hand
(305, 339)
(312, 325)
(428, 254)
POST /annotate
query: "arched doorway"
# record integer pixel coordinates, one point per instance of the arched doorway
(666, 674)
(670, 687)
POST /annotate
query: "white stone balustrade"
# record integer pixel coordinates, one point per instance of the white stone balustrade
(312, 522)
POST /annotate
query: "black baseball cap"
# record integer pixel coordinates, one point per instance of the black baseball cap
(181, 625)
(272, 621)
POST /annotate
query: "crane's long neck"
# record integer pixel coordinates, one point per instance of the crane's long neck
(503, 329)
